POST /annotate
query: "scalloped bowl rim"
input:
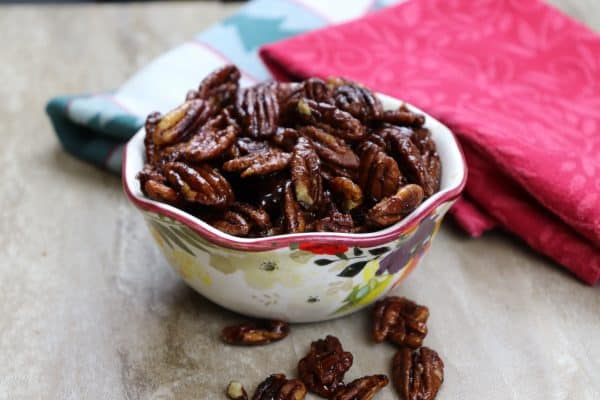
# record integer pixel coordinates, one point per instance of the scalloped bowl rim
(454, 175)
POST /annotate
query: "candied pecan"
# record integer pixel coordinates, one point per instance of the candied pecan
(154, 185)
(236, 391)
(422, 139)
(211, 141)
(231, 222)
(199, 184)
(417, 375)
(313, 89)
(305, 167)
(220, 87)
(255, 332)
(403, 117)
(248, 145)
(329, 118)
(358, 101)
(391, 209)
(285, 138)
(260, 163)
(331, 171)
(322, 369)
(151, 148)
(362, 388)
(401, 321)
(258, 109)
(295, 221)
(180, 122)
(278, 387)
(379, 175)
(331, 148)
(335, 222)
(348, 192)
(257, 217)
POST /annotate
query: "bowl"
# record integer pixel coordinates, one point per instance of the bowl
(302, 277)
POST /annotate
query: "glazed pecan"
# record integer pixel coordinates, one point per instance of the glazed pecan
(211, 141)
(199, 184)
(236, 391)
(392, 209)
(258, 109)
(255, 332)
(313, 89)
(278, 387)
(362, 388)
(305, 167)
(335, 222)
(403, 117)
(422, 139)
(349, 193)
(152, 151)
(220, 87)
(258, 218)
(329, 118)
(154, 185)
(418, 374)
(285, 138)
(322, 369)
(401, 321)
(358, 101)
(294, 218)
(378, 175)
(180, 122)
(231, 222)
(331, 149)
(249, 146)
(331, 171)
(260, 163)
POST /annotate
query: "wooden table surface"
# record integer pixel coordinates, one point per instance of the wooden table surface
(90, 310)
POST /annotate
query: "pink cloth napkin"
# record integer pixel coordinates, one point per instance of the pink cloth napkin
(519, 84)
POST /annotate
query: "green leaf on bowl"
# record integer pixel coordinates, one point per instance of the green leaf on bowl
(190, 238)
(173, 237)
(379, 251)
(301, 256)
(342, 256)
(352, 269)
(323, 261)
(294, 246)
(357, 251)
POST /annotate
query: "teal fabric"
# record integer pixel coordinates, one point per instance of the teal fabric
(95, 127)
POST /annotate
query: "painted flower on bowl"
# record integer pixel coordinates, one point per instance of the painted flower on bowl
(320, 248)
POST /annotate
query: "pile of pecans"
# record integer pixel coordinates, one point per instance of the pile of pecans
(279, 158)
(417, 372)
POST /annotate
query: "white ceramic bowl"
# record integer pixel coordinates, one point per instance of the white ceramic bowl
(298, 277)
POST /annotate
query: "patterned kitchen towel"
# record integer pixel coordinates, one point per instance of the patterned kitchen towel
(519, 83)
(95, 127)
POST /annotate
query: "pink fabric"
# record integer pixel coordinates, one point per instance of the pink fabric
(517, 81)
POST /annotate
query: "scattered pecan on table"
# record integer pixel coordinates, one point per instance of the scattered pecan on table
(236, 391)
(362, 388)
(401, 321)
(417, 374)
(279, 158)
(255, 332)
(278, 387)
(322, 369)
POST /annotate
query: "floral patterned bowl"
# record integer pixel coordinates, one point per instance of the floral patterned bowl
(297, 277)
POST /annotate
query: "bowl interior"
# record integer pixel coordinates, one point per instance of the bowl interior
(452, 183)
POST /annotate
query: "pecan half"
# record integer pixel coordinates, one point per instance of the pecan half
(349, 193)
(379, 175)
(220, 87)
(335, 222)
(151, 148)
(154, 185)
(278, 387)
(422, 139)
(294, 218)
(417, 375)
(249, 146)
(330, 148)
(305, 167)
(211, 141)
(362, 388)
(258, 219)
(285, 138)
(392, 209)
(255, 332)
(231, 222)
(258, 109)
(329, 118)
(401, 321)
(322, 369)
(358, 101)
(260, 163)
(180, 122)
(199, 184)
(314, 89)
(236, 391)
(403, 117)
